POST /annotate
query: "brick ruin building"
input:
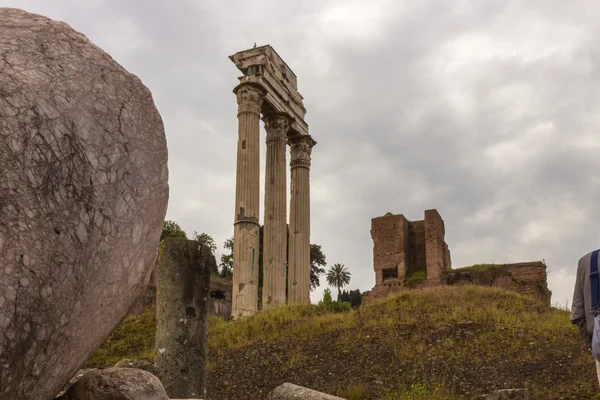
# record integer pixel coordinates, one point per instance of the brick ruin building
(415, 254)
(406, 249)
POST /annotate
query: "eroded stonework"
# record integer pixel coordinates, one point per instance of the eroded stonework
(83, 195)
(403, 249)
(415, 254)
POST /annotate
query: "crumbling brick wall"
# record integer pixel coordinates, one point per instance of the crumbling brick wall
(391, 250)
(529, 278)
(403, 249)
(434, 245)
(415, 254)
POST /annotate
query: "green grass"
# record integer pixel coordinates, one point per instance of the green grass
(415, 278)
(433, 343)
(132, 339)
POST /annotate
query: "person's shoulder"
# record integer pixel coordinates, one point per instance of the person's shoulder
(585, 259)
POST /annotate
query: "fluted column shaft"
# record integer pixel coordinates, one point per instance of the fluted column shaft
(299, 244)
(246, 227)
(275, 234)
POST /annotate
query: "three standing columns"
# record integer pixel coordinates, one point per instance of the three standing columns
(276, 265)
(299, 261)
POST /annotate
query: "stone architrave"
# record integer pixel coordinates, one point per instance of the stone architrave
(83, 196)
(275, 231)
(246, 227)
(299, 243)
(181, 316)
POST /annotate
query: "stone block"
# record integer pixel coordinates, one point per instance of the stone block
(289, 391)
(181, 316)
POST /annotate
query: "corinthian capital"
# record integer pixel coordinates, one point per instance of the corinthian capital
(249, 99)
(276, 125)
(300, 150)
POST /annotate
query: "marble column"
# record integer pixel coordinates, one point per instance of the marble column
(299, 243)
(275, 233)
(246, 227)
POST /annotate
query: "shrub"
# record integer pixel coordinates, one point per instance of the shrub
(327, 300)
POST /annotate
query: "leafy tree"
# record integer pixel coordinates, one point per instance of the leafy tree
(227, 260)
(317, 265)
(338, 276)
(355, 298)
(173, 230)
(207, 240)
(345, 297)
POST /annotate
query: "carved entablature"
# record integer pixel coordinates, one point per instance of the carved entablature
(300, 149)
(249, 99)
(263, 67)
(277, 126)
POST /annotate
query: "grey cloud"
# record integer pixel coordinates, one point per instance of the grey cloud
(485, 111)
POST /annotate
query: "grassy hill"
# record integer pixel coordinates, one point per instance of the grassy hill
(435, 343)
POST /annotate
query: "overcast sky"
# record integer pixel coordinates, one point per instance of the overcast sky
(485, 110)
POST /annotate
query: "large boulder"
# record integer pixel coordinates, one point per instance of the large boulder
(116, 384)
(83, 195)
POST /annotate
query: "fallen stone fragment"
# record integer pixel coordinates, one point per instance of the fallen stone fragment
(508, 394)
(117, 384)
(289, 391)
(83, 195)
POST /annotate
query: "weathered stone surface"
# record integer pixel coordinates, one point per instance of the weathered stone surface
(181, 316)
(73, 380)
(219, 302)
(402, 247)
(289, 391)
(117, 384)
(83, 195)
(299, 247)
(138, 364)
(509, 394)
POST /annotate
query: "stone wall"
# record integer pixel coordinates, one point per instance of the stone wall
(415, 254)
(219, 302)
(527, 278)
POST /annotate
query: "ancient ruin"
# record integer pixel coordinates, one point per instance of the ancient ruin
(403, 248)
(415, 254)
(181, 316)
(268, 87)
(83, 196)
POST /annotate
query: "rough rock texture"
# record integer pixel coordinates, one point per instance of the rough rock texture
(509, 394)
(181, 316)
(73, 380)
(528, 278)
(289, 391)
(83, 195)
(138, 364)
(117, 384)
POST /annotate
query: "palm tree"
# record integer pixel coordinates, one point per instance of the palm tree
(338, 276)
